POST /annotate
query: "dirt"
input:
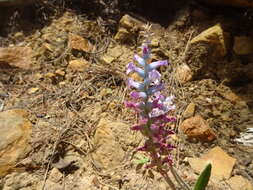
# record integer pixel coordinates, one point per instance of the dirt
(67, 108)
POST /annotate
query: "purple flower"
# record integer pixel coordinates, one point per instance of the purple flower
(153, 107)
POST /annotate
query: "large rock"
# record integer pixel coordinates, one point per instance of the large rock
(108, 152)
(222, 164)
(239, 182)
(197, 127)
(15, 57)
(15, 133)
(214, 36)
(129, 28)
(111, 140)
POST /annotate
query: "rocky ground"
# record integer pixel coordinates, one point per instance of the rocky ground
(62, 88)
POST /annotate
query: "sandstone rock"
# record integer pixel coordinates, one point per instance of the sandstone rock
(129, 22)
(184, 74)
(222, 164)
(129, 26)
(78, 65)
(17, 181)
(15, 57)
(239, 182)
(235, 3)
(108, 153)
(15, 131)
(197, 127)
(79, 43)
(123, 35)
(189, 111)
(214, 36)
(32, 90)
(243, 45)
(55, 175)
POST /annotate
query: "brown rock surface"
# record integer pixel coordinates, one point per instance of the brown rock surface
(78, 65)
(184, 73)
(79, 43)
(215, 36)
(240, 183)
(15, 57)
(15, 131)
(189, 111)
(197, 127)
(108, 152)
(222, 164)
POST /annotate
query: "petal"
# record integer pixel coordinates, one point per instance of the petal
(131, 67)
(154, 76)
(156, 64)
(137, 95)
(131, 83)
(136, 127)
(146, 51)
(140, 60)
(155, 89)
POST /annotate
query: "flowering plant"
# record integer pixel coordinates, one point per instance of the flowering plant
(153, 108)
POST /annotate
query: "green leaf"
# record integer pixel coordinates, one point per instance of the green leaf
(203, 178)
(141, 159)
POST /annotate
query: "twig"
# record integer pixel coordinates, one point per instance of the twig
(76, 147)
(179, 179)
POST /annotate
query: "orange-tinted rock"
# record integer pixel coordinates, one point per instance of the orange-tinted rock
(79, 43)
(15, 57)
(15, 131)
(197, 127)
(222, 164)
(184, 73)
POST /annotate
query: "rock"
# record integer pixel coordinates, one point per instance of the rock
(222, 164)
(189, 111)
(214, 36)
(129, 27)
(107, 59)
(60, 72)
(78, 65)
(235, 3)
(32, 90)
(15, 133)
(232, 97)
(129, 22)
(243, 45)
(15, 57)
(55, 175)
(79, 43)
(123, 35)
(184, 74)
(17, 181)
(50, 185)
(108, 152)
(240, 183)
(197, 127)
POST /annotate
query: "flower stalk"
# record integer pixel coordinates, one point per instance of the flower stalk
(153, 109)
